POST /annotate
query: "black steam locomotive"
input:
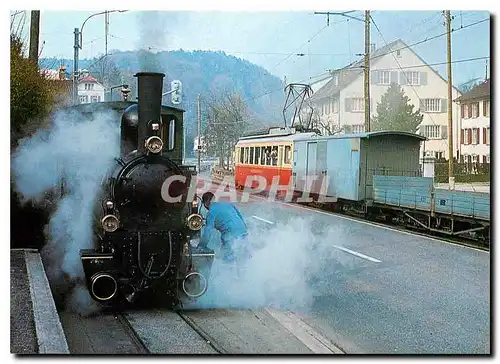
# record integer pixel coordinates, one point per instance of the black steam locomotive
(145, 249)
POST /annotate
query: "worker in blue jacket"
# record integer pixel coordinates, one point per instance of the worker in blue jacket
(225, 217)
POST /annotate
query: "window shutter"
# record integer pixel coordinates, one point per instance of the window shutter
(462, 111)
(484, 135)
(374, 77)
(423, 78)
(444, 105)
(402, 78)
(469, 110)
(477, 136)
(462, 136)
(484, 159)
(484, 108)
(444, 132)
(394, 77)
(422, 105)
(469, 136)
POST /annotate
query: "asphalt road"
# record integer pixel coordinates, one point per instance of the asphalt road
(371, 289)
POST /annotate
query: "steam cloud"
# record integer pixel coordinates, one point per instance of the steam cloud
(80, 153)
(285, 269)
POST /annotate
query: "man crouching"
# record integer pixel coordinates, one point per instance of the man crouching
(226, 218)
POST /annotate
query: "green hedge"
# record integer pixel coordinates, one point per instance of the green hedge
(463, 172)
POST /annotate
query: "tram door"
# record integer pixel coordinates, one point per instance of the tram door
(312, 159)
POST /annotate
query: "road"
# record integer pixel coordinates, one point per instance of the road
(368, 288)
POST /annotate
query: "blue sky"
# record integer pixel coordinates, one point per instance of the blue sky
(273, 39)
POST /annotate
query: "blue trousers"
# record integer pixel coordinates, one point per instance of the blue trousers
(235, 249)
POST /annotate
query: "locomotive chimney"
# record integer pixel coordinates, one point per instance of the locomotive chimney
(150, 86)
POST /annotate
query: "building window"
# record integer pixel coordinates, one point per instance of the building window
(358, 104)
(486, 108)
(432, 105)
(94, 98)
(384, 77)
(336, 105)
(398, 53)
(475, 110)
(475, 136)
(358, 128)
(487, 158)
(432, 131)
(438, 155)
(83, 99)
(412, 78)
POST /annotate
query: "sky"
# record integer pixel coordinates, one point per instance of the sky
(297, 45)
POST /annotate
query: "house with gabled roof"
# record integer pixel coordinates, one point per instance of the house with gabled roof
(339, 103)
(89, 89)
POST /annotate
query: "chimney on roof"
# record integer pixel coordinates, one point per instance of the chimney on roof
(372, 47)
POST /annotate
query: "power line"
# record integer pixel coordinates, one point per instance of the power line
(427, 39)
(430, 64)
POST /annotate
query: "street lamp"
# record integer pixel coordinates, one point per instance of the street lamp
(77, 46)
(125, 91)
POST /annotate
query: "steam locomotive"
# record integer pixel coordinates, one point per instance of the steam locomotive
(145, 246)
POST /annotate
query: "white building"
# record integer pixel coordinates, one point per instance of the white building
(340, 103)
(474, 124)
(89, 89)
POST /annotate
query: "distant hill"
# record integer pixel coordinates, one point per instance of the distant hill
(201, 72)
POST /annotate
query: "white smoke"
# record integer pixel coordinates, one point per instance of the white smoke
(285, 270)
(80, 152)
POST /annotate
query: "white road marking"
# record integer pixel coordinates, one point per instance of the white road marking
(357, 254)
(316, 342)
(261, 219)
(381, 226)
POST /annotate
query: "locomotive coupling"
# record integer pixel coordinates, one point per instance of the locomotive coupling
(195, 222)
(103, 286)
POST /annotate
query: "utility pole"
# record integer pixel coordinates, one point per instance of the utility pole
(199, 134)
(367, 70)
(34, 35)
(451, 178)
(76, 46)
(106, 30)
(367, 56)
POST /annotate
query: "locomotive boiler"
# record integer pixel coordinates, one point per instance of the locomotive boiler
(145, 245)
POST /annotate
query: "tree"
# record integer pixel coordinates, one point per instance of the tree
(395, 113)
(31, 94)
(469, 85)
(325, 127)
(226, 121)
(106, 72)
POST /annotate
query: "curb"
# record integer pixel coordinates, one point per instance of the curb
(49, 331)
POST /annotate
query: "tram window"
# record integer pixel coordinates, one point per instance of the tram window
(274, 156)
(257, 155)
(241, 154)
(246, 155)
(288, 154)
(251, 156)
(262, 156)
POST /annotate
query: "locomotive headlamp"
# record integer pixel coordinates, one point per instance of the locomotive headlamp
(155, 126)
(195, 222)
(154, 144)
(109, 204)
(110, 223)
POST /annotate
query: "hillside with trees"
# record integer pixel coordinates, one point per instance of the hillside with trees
(205, 73)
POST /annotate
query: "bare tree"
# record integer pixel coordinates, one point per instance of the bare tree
(106, 71)
(324, 126)
(226, 118)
